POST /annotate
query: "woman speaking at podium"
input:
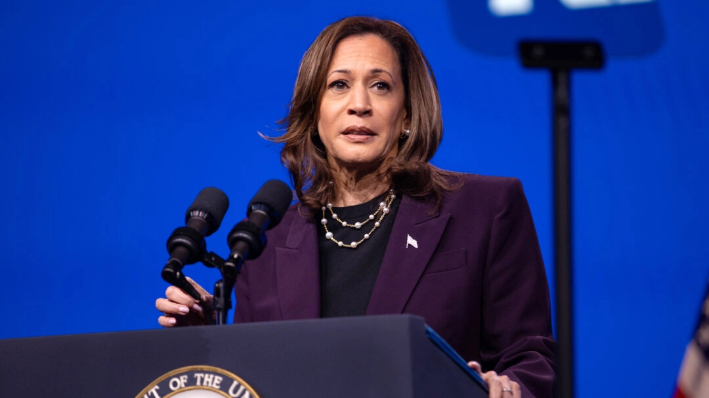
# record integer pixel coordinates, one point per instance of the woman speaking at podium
(380, 230)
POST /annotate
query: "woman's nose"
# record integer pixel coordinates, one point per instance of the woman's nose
(359, 102)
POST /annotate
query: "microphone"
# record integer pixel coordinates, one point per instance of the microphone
(186, 245)
(247, 239)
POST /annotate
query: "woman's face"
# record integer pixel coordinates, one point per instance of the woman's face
(362, 110)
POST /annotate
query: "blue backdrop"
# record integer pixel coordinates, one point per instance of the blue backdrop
(114, 114)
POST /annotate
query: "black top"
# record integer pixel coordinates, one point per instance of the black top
(347, 275)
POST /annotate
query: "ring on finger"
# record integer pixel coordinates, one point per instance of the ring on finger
(509, 390)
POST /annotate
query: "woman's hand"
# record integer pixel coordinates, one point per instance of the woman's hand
(500, 386)
(181, 309)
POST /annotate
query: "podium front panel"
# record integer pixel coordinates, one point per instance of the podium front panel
(378, 356)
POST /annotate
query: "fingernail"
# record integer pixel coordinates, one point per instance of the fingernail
(172, 321)
(183, 310)
(197, 308)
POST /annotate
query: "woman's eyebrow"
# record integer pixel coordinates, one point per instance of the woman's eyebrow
(375, 71)
(371, 71)
(345, 71)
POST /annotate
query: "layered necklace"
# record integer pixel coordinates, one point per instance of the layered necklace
(377, 217)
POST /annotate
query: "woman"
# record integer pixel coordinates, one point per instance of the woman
(379, 230)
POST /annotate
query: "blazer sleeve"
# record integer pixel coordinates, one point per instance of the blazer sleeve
(516, 331)
(243, 302)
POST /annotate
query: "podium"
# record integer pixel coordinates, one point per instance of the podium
(378, 356)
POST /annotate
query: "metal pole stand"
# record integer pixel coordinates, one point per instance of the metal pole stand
(221, 300)
(560, 58)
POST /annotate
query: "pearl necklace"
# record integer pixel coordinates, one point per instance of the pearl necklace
(382, 210)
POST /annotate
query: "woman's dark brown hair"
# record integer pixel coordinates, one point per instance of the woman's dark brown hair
(304, 153)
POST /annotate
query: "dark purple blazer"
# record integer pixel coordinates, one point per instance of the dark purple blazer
(476, 277)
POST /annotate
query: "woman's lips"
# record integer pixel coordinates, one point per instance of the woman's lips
(358, 133)
(358, 130)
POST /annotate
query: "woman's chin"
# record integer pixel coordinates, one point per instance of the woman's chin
(359, 162)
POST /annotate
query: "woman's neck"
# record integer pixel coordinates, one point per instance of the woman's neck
(354, 189)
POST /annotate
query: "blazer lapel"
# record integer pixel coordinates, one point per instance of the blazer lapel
(402, 266)
(298, 271)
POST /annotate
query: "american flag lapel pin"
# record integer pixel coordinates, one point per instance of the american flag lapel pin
(411, 241)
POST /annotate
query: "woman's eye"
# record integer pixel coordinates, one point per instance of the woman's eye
(381, 86)
(338, 85)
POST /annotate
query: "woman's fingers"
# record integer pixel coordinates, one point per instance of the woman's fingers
(167, 321)
(171, 307)
(494, 384)
(475, 366)
(205, 295)
(500, 386)
(507, 387)
(175, 314)
(177, 296)
(181, 309)
(192, 319)
(516, 390)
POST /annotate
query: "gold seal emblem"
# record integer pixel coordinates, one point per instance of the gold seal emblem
(200, 381)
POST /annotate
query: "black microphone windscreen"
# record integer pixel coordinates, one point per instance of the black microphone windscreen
(277, 196)
(212, 201)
